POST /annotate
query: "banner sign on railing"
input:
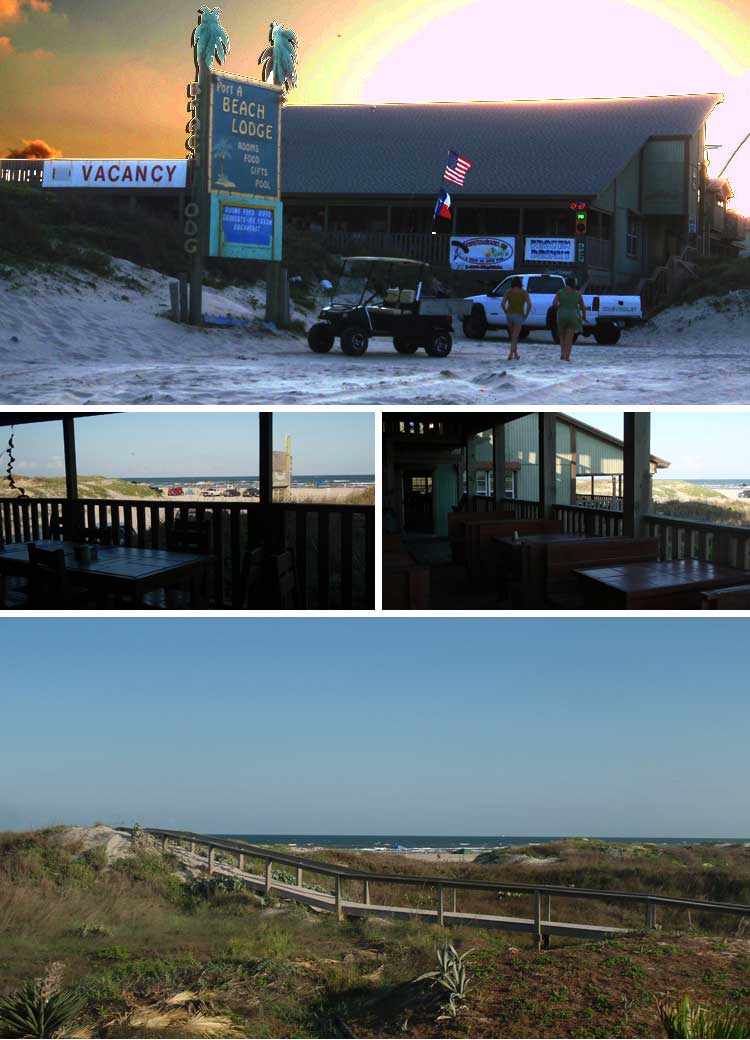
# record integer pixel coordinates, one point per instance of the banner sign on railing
(482, 253)
(550, 250)
(115, 173)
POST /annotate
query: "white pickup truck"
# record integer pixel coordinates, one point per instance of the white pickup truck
(606, 316)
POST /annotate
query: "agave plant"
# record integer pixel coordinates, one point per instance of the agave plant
(690, 1023)
(279, 61)
(39, 1008)
(453, 977)
(210, 39)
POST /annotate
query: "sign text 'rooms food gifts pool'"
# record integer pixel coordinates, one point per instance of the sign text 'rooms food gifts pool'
(115, 173)
(245, 168)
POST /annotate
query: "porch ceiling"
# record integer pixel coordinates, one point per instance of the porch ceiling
(19, 418)
(467, 424)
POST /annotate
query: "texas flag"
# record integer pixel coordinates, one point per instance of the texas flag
(443, 205)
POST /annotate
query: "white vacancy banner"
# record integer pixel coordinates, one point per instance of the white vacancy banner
(551, 250)
(115, 173)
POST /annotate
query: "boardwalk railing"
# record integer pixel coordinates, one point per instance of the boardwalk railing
(334, 545)
(541, 925)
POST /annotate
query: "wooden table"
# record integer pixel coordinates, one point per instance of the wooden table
(125, 572)
(519, 574)
(658, 585)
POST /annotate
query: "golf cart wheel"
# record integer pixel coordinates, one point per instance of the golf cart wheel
(607, 336)
(475, 326)
(320, 338)
(354, 342)
(405, 346)
(439, 345)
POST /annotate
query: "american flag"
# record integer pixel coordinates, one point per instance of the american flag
(456, 168)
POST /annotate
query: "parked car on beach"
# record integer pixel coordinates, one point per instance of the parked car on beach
(606, 315)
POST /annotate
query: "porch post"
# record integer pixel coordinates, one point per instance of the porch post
(71, 477)
(265, 470)
(547, 464)
(637, 473)
(498, 461)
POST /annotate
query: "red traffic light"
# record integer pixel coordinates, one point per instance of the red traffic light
(580, 206)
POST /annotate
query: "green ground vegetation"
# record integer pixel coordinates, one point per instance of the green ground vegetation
(717, 277)
(88, 487)
(682, 498)
(47, 229)
(145, 954)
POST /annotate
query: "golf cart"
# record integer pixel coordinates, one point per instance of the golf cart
(382, 296)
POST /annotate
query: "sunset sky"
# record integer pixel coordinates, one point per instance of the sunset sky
(108, 78)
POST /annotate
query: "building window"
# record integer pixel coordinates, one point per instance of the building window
(633, 240)
(482, 482)
(510, 483)
(603, 226)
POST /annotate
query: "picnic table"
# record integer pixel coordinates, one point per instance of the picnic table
(655, 585)
(127, 573)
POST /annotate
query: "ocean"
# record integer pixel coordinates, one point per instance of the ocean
(438, 842)
(298, 480)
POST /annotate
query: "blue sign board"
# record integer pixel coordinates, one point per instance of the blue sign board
(245, 137)
(245, 229)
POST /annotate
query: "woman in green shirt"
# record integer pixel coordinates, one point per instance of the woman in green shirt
(571, 314)
(517, 306)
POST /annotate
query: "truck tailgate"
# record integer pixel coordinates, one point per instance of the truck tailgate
(434, 305)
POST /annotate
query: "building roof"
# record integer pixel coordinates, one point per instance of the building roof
(518, 148)
(606, 437)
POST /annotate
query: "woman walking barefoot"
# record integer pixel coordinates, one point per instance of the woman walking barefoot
(517, 306)
(571, 314)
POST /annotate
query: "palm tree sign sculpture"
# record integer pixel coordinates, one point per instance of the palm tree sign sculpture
(279, 61)
(210, 38)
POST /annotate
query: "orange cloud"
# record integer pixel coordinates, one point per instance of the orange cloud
(15, 10)
(6, 47)
(39, 54)
(36, 149)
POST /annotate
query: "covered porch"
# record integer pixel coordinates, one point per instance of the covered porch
(545, 550)
(120, 553)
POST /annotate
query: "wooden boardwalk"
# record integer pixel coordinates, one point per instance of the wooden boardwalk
(540, 926)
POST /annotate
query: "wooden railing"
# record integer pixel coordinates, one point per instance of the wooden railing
(433, 249)
(605, 523)
(681, 539)
(334, 545)
(661, 288)
(599, 501)
(540, 925)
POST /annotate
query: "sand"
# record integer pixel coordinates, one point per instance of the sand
(81, 339)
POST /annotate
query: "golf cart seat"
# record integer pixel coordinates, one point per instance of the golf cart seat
(391, 298)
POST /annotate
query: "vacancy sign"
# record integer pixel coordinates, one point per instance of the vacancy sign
(115, 173)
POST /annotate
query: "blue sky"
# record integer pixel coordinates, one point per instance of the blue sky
(452, 726)
(184, 444)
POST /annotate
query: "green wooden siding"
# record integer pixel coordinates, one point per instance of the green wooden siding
(663, 191)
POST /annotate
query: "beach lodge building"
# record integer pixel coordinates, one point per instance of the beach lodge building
(487, 510)
(365, 178)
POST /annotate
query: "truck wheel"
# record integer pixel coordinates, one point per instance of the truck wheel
(525, 332)
(552, 325)
(320, 338)
(607, 336)
(475, 325)
(440, 345)
(405, 346)
(354, 341)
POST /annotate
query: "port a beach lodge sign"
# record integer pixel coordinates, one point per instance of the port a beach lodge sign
(115, 173)
(244, 168)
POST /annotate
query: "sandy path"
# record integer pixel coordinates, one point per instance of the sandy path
(96, 343)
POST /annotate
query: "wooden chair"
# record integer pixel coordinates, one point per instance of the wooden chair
(286, 591)
(254, 579)
(190, 536)
(49, 582)
(732, 598)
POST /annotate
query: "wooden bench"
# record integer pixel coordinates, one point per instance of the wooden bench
(406, 583)
(737, 598)
(456, 528)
